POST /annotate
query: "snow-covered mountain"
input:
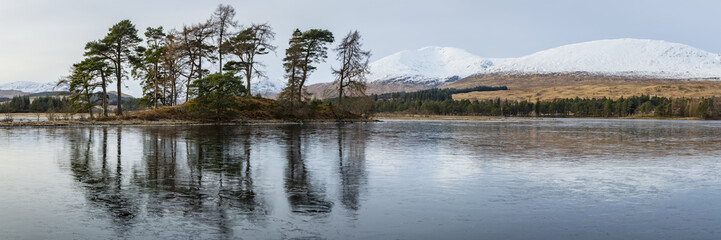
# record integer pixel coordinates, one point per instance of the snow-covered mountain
(625, 57)
(31, 87)
(620, 57)
(428, 65)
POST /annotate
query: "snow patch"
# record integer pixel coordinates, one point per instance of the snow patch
(266, 87)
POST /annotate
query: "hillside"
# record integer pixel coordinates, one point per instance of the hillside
(543, 87)
(11, 93)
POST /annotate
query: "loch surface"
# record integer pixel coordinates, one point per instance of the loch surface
(512, 179)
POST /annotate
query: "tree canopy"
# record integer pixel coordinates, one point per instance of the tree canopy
(214, 94)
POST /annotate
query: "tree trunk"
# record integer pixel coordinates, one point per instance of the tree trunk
(247, 79)
(190, 76)
(105, 93)
(119, 75)
(165, 92)
(90, 109)
(173, 94)
(305, 75)
(220, 52)
(340, 94)
(155, 83)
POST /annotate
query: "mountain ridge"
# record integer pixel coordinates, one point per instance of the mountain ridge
(621, 57)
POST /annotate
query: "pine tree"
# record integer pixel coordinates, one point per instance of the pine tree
(314, 50)
(147, 65)
(120, 43)
(247, 45)
(101, 53)
(292, 65)
(82, 83)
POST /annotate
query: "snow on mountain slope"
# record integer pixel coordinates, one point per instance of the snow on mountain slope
(428, 64)
(624, 57)
(30, 87)
(638, 57)
(266, 87)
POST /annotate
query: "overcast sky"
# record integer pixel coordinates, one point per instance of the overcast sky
(39, 40)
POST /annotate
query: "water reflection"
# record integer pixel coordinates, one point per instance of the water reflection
(351, 164)
(409, 180)
(303, 196)
(103, 185)
(207, 174)
(219, 158)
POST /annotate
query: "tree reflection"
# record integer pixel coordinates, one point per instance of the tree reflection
(302, 195)
(201, 173)
(220, 157)
(216, 182)
(103, 188)
(206, 174)
(351, 163)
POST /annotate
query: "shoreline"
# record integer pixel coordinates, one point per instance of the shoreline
(89, 123)
(376, 118)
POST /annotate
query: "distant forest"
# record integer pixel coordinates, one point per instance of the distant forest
(435, 94)
(439, 102)
(52, 104)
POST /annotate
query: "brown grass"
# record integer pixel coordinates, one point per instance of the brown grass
(554, 86)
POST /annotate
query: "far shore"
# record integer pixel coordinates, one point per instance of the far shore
(399, 116)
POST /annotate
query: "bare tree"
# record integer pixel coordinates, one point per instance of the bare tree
(223, 20)
(188, 58)
(350, 77)
(171, 62)
(196, 49)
